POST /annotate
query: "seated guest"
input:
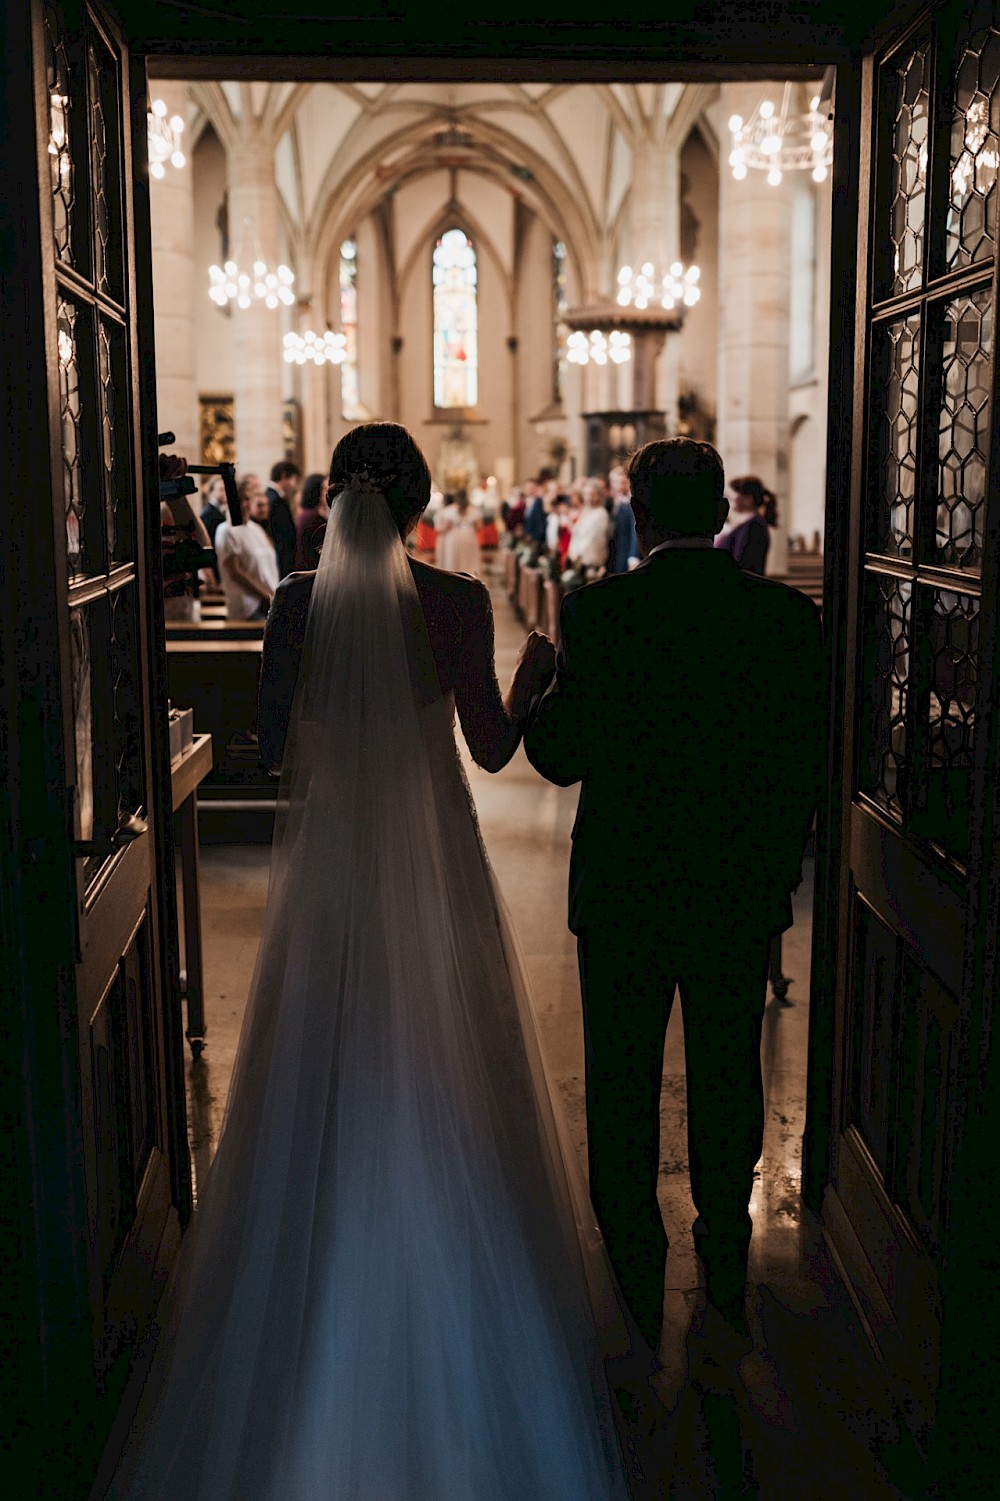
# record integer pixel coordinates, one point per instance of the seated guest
(280, 523)
(753, 511)
(588, 546)
(310, 523)
(247, 559)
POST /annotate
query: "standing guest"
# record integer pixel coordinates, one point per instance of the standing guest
(214, 512)
(458, 545)
(588, 546)
(512, 512)
(624, 543)
(310, 523)
(481, 497)
(753, 511)
(280, 525)
(560, 529)
(180, 601)
(534, 514)
(247, 559)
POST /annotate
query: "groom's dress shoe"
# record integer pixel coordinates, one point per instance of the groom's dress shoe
(725, 1289)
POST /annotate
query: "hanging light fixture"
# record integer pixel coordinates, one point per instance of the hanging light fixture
(779, 140)
(227, 283)
(648, 287)
(323, 349)
(598, 348)
(163, 139)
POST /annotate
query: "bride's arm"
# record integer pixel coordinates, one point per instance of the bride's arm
(281, 653)
(493, 724)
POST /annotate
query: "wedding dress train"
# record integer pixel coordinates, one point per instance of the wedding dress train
(393, 1288)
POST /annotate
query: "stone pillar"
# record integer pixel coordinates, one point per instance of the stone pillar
(174, 293)
(754, 285)
(257, 355)
(655, 235)
(315, 386)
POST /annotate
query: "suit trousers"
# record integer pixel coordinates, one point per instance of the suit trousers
(628, 990)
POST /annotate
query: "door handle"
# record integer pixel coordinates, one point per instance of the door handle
(132, 827)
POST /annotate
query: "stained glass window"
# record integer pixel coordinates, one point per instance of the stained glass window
(558, 311)
(350, 396)
(456, 362)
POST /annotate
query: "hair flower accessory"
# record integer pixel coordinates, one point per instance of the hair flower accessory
(363, 482)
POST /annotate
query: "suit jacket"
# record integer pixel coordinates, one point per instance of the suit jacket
(625, 543)
(689, 701)
(281, 530)
(535, 520)
(213, 519)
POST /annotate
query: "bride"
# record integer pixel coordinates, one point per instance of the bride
(393, 1288)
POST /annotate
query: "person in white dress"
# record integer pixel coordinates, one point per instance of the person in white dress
(248, 563)
(458, 543)
(588, 544)
(393, 1288)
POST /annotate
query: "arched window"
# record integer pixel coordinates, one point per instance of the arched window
(350, 397)
(456, 353)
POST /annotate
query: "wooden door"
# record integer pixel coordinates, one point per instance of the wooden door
(112, 1078)
(920, 670)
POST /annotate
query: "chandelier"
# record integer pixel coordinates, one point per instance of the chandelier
(675, 287)
(227, 283)
(163, 139)
(777, 141)
(323, 349)
(598, 348)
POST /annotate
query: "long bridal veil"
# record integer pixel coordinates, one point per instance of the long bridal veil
(392, 1289)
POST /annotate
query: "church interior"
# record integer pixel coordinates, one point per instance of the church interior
(538, 245)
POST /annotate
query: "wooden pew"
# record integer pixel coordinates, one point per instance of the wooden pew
(530, 597)
(510, 572)
(804, 571)
(213, 667)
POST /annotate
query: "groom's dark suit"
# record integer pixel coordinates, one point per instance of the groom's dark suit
(698, 688)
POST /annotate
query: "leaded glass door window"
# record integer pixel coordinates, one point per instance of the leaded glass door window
(922, 659)
(125, 1047)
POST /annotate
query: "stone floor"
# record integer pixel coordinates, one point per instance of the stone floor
(807, 1413)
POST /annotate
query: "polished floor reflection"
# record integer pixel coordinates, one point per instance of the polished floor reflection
(807, 1414)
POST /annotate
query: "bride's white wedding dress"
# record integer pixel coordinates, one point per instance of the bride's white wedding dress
(393, 1288)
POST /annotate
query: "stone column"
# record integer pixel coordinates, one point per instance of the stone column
(312, 384)
(655, 235)
(754, 284)
(257, 355)
(174, 295)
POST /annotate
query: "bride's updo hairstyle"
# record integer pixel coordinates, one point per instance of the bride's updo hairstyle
(384, 456)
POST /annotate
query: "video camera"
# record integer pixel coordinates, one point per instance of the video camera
(186, 557)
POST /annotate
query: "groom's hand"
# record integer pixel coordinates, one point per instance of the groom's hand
(535, 667)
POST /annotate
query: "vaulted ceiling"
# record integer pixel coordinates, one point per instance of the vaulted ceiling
(564, 149)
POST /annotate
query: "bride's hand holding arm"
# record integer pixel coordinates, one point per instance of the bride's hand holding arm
(491, 722)
(534, 671)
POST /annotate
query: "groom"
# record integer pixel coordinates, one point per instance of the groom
(688, 701)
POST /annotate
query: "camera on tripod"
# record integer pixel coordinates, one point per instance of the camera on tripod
(184, 557)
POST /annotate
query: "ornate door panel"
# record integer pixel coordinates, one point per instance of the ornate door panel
(130, 1109)
(923, 641)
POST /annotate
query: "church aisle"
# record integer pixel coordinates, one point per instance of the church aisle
(806, 1414)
